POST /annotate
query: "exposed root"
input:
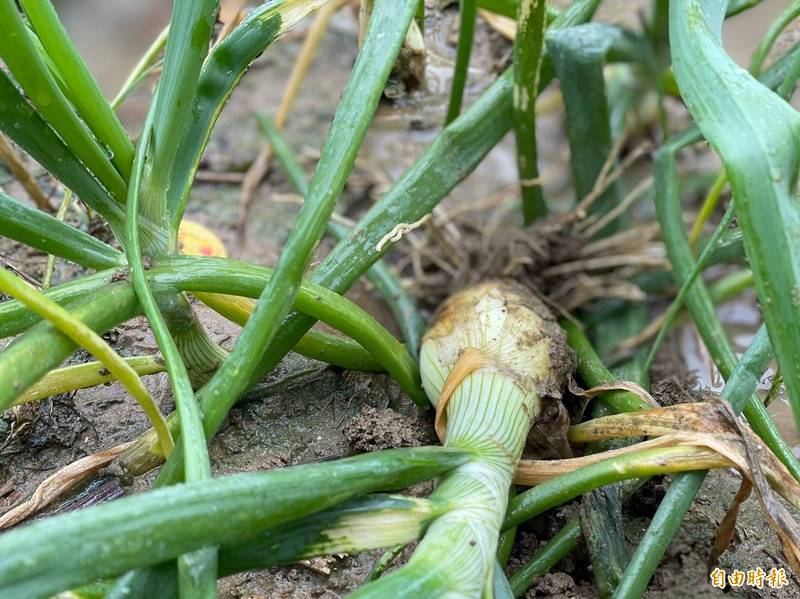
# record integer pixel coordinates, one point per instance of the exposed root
(456, 249)
(11, 158)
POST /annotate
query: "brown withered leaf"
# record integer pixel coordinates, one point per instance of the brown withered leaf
(727, 528)
(697, 436)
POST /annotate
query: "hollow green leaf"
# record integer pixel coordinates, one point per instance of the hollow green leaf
(454, 154)
(190, 28)
(198, 569)
(579, 56)
(217, 275)
(43, 347)
(698, 301)
(468, 11)
(75, 548)
(528, 54)
(388, 25)
(39, 230)
(685, 486)
(20, 121)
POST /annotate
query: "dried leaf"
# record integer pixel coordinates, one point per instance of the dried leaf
(727, 527)
(60, 482)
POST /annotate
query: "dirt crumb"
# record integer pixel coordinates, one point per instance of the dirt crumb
(374, 429)
(673, 390)
(553, 584)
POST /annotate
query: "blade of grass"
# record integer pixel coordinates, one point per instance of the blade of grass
(383, 562)
(698, 301)
(786, 88)
(546, 557)
(681, 492)
(83, 336)
(768, 41)
(468, 12)
(700, 265)
(39, 230)
(600, 515)
(220, 73)
(54, 554)
(83, 376)
(403, 306)
(85, 94)
(508, 8)
(528, 53)
(707, 208)
(33, 75)
(738, 6)
(197, 570)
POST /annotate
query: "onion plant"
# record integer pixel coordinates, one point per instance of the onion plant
(494, 358)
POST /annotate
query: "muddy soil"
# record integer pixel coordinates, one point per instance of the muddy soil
(311, 412)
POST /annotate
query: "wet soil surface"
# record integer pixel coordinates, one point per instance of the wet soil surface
(313, 412)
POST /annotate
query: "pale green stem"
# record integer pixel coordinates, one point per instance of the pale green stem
(83, 376)
(142, 68)
(489, 416)
(51, 258)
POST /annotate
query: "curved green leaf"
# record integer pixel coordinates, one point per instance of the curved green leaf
(579, 55)
(20, 121)
(757, 135)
